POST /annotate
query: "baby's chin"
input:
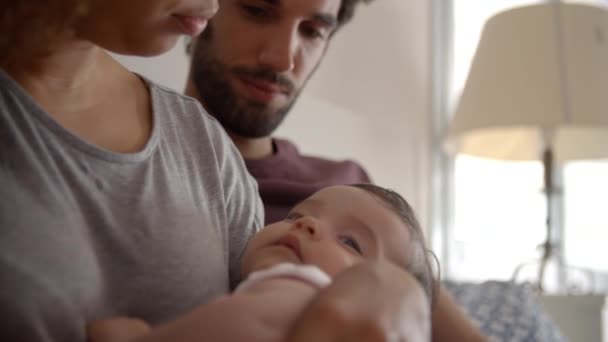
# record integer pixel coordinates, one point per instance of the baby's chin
(263, 264)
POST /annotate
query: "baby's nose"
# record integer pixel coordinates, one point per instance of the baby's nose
(309, 226)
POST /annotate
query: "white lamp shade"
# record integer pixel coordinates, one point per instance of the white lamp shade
(538, 69)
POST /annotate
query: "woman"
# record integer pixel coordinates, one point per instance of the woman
(121, 198)
(113, 190)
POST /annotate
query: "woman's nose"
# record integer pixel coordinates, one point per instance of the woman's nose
(308, 226)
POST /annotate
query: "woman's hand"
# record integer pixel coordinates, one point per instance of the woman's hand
(116, 329)
(372, 301)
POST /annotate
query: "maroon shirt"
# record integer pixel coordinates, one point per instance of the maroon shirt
(287, 177)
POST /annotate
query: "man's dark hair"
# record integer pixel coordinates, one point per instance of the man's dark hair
(345, 14)
(347, 10)
(419, 261)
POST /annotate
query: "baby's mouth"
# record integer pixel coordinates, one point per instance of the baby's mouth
(291, 242)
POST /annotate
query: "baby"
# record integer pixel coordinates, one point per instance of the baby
(288, 262)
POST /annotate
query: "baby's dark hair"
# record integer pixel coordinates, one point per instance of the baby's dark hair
(419, 261)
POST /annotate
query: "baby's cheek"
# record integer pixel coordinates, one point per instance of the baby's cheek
(338, 262)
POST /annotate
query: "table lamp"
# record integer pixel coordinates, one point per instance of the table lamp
(537, 90)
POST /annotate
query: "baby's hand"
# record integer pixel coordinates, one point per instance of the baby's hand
(116, 329)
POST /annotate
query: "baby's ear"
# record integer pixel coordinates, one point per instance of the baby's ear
(117, 329)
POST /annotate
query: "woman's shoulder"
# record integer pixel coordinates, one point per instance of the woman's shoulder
(184, 122)
(183, 112)
(171, 97)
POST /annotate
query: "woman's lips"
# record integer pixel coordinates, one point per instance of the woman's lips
(190, 24)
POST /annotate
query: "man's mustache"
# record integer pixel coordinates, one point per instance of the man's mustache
(265, 74)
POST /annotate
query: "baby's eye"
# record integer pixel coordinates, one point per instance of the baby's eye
(351, 243)
(293, 216)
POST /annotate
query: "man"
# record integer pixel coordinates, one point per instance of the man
(249, 81)
(248, 69)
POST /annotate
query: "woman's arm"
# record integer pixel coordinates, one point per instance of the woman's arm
(450, 323)
(263, 312)
(117, 329)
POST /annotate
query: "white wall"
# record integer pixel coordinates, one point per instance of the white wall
(369, 101)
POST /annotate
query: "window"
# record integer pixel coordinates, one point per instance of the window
(586, 220)
(499, 215)
(499, 208)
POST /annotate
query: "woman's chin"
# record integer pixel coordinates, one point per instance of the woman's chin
(144, 48)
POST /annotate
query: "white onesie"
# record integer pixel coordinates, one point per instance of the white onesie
(308, 273)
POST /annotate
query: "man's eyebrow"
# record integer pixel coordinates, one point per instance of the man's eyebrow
(327, 19)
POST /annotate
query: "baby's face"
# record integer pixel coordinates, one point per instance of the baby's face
(333, 229)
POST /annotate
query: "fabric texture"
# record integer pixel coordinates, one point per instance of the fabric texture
(307, 273)
(288, 177)
(87, 233)
(505, 311)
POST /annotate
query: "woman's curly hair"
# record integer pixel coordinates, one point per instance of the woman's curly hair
(29, 26)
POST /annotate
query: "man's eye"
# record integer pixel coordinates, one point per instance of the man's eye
(255, 11)
(312, 32)
(351, 243)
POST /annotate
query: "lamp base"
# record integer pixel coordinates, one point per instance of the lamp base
(529, 273)
(557, 279)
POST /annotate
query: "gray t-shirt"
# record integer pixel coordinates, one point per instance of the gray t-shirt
(87, 233)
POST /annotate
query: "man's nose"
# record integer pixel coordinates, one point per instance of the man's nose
(309, 226)
(279, 51)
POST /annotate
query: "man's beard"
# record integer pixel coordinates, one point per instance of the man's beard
(237, 115)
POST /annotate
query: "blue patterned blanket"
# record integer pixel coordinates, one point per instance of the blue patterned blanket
(506, 311)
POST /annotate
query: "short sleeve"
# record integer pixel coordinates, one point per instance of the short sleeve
(244, 208)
